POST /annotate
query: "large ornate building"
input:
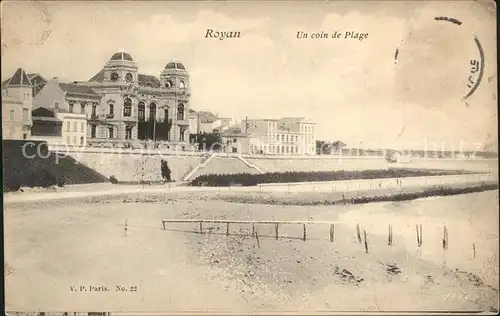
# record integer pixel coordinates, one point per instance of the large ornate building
(123, 105)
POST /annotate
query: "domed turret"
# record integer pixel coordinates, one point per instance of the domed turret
(175, 65)
(121, 56)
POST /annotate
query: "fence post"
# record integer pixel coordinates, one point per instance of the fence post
(276, 228)
(445, 238)
(418, 235)
(304, 232)
(227, 229)
(389, 241)
(332, 232)
(257, 237)
(163, 222)
(366, 241)
(358, 232)
(201, 228)
(421, 235)
(253, 229)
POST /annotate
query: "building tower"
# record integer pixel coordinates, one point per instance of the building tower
(175, 80)
(20, 88)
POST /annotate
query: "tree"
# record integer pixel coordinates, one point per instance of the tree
(323, 148)
(165, 171)
(207, 141)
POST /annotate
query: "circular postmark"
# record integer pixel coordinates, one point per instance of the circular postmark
(438, 60)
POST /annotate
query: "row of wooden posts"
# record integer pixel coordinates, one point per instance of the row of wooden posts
(418, 229)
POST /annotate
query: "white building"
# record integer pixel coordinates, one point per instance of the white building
(285, 136)
(17, 103)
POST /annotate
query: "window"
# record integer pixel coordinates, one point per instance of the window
(56, 105)
(141, 111)
(68, 127)
(12, 115)
(71, 106)
(68, 140)
(110, 132)
(114, 76)
(129, 77)
(94, 110)
(127, 107)
(74, 140)
(111, 108)
(152, 111)
(93, 131)
(169, 84)
(180, 112)
(282, 138)
(128, 132)
(165, 114)
(82, 126)
(81, 141)
(82, 107)
(75, 127)
(182, 85)
(25, 114)
(25, 136)
(234, 140)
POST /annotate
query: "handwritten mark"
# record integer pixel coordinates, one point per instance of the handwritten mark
(481, 69)
(444, 18)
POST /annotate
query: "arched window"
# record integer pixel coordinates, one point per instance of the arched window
(152, 111)
(129, 77)
(127, 107)
(182, 85)
(180, 112)
(142, 109)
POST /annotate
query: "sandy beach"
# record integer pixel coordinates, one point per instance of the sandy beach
(52, 249)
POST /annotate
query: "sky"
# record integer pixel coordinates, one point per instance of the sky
(356, 91)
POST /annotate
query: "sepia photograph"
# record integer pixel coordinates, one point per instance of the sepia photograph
(250, 157)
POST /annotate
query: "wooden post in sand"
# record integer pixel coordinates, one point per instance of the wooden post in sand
(445, 238)
(418, 235)
(332, 232)
(358, 233)
(304, 232)
(227, 229)
(366, 241)
(253, 230)
(276, 229)
(201, 228)
(257, 237)
(474, 250)
(389, 240)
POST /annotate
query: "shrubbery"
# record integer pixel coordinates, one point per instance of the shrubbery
(247, 179)
(165, 171)
(113, 180)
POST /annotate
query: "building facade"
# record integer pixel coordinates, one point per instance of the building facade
(122, 105)
(17, 104)
(285, 136)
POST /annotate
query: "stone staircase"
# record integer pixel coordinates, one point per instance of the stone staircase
(249, 164)
(202, 164)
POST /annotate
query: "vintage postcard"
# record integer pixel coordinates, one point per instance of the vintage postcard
(249, 157)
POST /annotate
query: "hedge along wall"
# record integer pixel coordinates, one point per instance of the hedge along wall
(38, 167)
(246, 179)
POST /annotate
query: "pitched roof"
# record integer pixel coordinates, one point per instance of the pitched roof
(20, 78)
(42, 112)
(148, 80)
(207, 117)
(99, 77)
(78, 89)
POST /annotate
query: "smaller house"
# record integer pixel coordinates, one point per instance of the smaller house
(235, 140)
(59, 127)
